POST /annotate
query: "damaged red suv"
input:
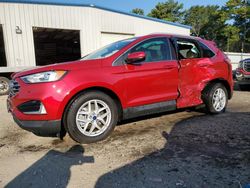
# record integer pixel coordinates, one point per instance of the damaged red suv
(129, 78)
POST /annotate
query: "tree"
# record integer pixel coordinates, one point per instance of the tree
(138, 11)
(207, 22)
(198, 18)
(231, 32)
(170, 11)
(239, 13)
(228, 26)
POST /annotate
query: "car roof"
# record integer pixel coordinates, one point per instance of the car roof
(170, 35)
(208, 43)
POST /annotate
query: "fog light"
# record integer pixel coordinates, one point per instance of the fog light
(239, 75)
(32, 107)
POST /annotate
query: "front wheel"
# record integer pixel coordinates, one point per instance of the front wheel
(91, 117)
(215, 97)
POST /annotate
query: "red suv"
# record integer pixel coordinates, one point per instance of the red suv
(126, 79)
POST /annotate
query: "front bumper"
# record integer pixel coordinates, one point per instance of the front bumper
(242, 76)
(243, 79)
(25, 102)
(50, 96)
(41, 128)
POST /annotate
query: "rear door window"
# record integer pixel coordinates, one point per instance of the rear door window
(188, 49)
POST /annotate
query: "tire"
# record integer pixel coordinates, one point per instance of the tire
(244, 87)
(80, 119)
(4, 86)
(212, 100)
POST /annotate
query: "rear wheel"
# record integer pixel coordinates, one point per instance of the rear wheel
(215, 97)
(91, 117)
(4, 86)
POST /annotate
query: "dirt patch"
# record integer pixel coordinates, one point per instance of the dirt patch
(33, 148)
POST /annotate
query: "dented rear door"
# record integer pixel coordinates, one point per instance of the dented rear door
(194, 72)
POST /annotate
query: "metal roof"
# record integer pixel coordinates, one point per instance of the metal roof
(74, 3)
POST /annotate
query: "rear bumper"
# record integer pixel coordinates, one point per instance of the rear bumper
(41, 128)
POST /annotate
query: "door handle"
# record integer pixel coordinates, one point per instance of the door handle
(169, 67)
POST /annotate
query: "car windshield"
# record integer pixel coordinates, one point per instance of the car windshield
(109, 50)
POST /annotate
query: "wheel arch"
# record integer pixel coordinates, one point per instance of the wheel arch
(107, 91)
(222, 81)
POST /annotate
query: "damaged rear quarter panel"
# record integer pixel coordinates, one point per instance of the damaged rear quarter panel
(195, 74)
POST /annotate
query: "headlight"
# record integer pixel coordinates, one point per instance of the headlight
(241, 64)
(49, 76)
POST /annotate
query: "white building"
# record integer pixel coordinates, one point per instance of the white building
(38, 32)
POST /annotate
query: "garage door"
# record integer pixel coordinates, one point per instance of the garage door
(108, 38)
(56, 45)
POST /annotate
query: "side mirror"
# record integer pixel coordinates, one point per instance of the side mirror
(135, 57)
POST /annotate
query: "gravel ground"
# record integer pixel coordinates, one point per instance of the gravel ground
(183, 149)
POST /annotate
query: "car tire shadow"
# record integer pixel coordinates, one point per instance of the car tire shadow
(202, 151)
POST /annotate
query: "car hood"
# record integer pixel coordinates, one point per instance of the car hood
(73, 65)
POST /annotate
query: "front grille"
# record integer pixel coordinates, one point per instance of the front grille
(14, 88)
(246, 66)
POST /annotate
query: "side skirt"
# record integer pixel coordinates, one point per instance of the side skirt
(149, 109)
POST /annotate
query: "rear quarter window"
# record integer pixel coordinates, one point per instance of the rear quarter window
(206, 51)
